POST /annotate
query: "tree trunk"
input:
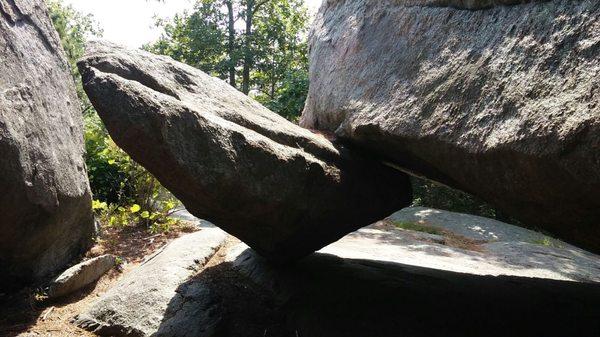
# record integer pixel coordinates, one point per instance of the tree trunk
(247, 45)
(231, 44)
(273, 80)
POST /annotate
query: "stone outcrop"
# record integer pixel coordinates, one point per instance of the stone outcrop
(45, 203)
(499, 101)
(154, 298)
(280, 188)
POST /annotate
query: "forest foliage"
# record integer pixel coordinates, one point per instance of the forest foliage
(257, 46)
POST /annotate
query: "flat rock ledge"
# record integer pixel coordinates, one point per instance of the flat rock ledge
(380, 282)
(463, 243)
(153, 299)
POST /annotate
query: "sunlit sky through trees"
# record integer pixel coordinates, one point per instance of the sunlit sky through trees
(131, 22)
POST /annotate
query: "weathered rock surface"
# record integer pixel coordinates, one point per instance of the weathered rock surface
(282, 189)
(500, 102)
(470, 226)
(153, 299)
(80, 275)
(338, 294)
(45, 203)
(467, 244)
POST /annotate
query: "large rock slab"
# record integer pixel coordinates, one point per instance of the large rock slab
(500, 102)
(337, 294)
(473, 227)
(282, 189)
(45, 203)
(377, 281)
(153, 299)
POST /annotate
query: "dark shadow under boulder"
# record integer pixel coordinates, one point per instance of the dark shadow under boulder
(325, 295)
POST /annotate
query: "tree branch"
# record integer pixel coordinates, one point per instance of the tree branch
(258, 5)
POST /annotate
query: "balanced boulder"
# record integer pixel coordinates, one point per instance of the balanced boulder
(499, 101)
(280, 188)
(45, 200)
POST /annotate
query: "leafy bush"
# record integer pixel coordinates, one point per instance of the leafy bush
(120, 217)
(126, 194)
(107, 180)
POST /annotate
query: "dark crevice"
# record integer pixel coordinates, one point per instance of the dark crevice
(6, 15)
(472, 5)
(125, 72)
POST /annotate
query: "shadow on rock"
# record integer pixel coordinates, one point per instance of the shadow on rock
(222, 302)
(324, 295)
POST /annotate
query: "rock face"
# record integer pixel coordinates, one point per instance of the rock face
(280, 188)
(500, 102)
(153, 299)
(80, 275)
(45, 202)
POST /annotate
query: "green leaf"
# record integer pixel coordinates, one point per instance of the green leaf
(97, 204)
(145, 215)
(135, 208)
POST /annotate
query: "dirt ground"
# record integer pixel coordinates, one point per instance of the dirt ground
(27, 313)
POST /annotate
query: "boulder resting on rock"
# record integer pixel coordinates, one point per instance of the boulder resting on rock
(280, 188)
(498, 101)
(45, 200)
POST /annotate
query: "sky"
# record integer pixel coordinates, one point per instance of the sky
(131, 22)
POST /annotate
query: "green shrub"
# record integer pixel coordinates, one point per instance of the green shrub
(108, 180)
(288, 100)
(547, 242)
(125, 193)
(157, 220)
